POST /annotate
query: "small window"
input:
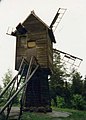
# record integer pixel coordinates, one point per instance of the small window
(31, 44)
(23, 44)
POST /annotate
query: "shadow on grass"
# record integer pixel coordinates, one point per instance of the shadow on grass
(76, 115)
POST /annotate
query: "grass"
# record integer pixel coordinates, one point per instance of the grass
(35, 116)
(76, 115)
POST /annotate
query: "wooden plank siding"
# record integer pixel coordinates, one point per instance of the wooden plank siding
(38, 33)
(43, 49)
(50, 52)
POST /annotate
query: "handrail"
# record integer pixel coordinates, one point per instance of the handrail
(25, 87)
(15, 94)
(30, 72)
(1, 94)
(27, 75)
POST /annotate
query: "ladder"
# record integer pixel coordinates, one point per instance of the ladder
(17, 87)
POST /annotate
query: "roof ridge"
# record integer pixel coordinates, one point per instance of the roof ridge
(33, 13)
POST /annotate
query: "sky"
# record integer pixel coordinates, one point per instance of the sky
(70, 34)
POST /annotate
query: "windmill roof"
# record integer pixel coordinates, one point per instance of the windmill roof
(22, 26)
(33, 13)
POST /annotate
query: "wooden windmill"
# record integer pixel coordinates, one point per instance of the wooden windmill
(34, 62)
(35, 38)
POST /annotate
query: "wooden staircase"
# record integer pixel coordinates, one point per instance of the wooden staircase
(23, 73)
(35, 90)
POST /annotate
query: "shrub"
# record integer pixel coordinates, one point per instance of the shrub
(78, 102)
(60, 102)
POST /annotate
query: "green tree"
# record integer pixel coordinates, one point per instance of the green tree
(84, 89)
(1, 98)
(78, 102)
(77, 83)
(9, 92)
(6, 79)
(0, 88)
(67, 94)
(57, 79)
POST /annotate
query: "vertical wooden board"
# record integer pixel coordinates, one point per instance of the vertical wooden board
(31, 52)
(50, 52)
(42, 52)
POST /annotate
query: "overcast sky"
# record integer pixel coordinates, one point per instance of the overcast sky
(70, 33)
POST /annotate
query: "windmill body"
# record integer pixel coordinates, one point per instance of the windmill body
(34, 63)
(35, 38)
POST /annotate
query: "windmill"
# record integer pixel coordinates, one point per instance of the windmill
(34, 63)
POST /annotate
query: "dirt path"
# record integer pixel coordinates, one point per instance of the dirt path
(54, 114)
(59, 114)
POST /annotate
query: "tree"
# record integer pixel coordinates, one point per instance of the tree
(84, 89)
(67, 94)
(0, 88)
(6, 79)
(77, 83)
(78, 102)
(57, 79)
(0, 92)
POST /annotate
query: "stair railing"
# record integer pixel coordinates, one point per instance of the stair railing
(13, 94)
(33, 60)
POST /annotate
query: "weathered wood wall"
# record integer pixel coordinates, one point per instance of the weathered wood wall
(42, 51)
(38, 33)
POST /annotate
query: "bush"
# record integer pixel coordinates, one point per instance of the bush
(60, 102)
(78, 102)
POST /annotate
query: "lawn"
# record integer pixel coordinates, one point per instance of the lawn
(76, 115)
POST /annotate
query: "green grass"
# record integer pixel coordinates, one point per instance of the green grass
(34, 116)
(76, 115)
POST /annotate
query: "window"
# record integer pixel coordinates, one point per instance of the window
(23, 42)
(31, 44)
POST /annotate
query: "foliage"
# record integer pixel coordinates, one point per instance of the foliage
(0, 88)
(84, 89)
(67, 94)
(60, 102)
(77, 83)
(56, 82)
(78, 102)
(70, 89)
(1, 100)
(6, 79)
